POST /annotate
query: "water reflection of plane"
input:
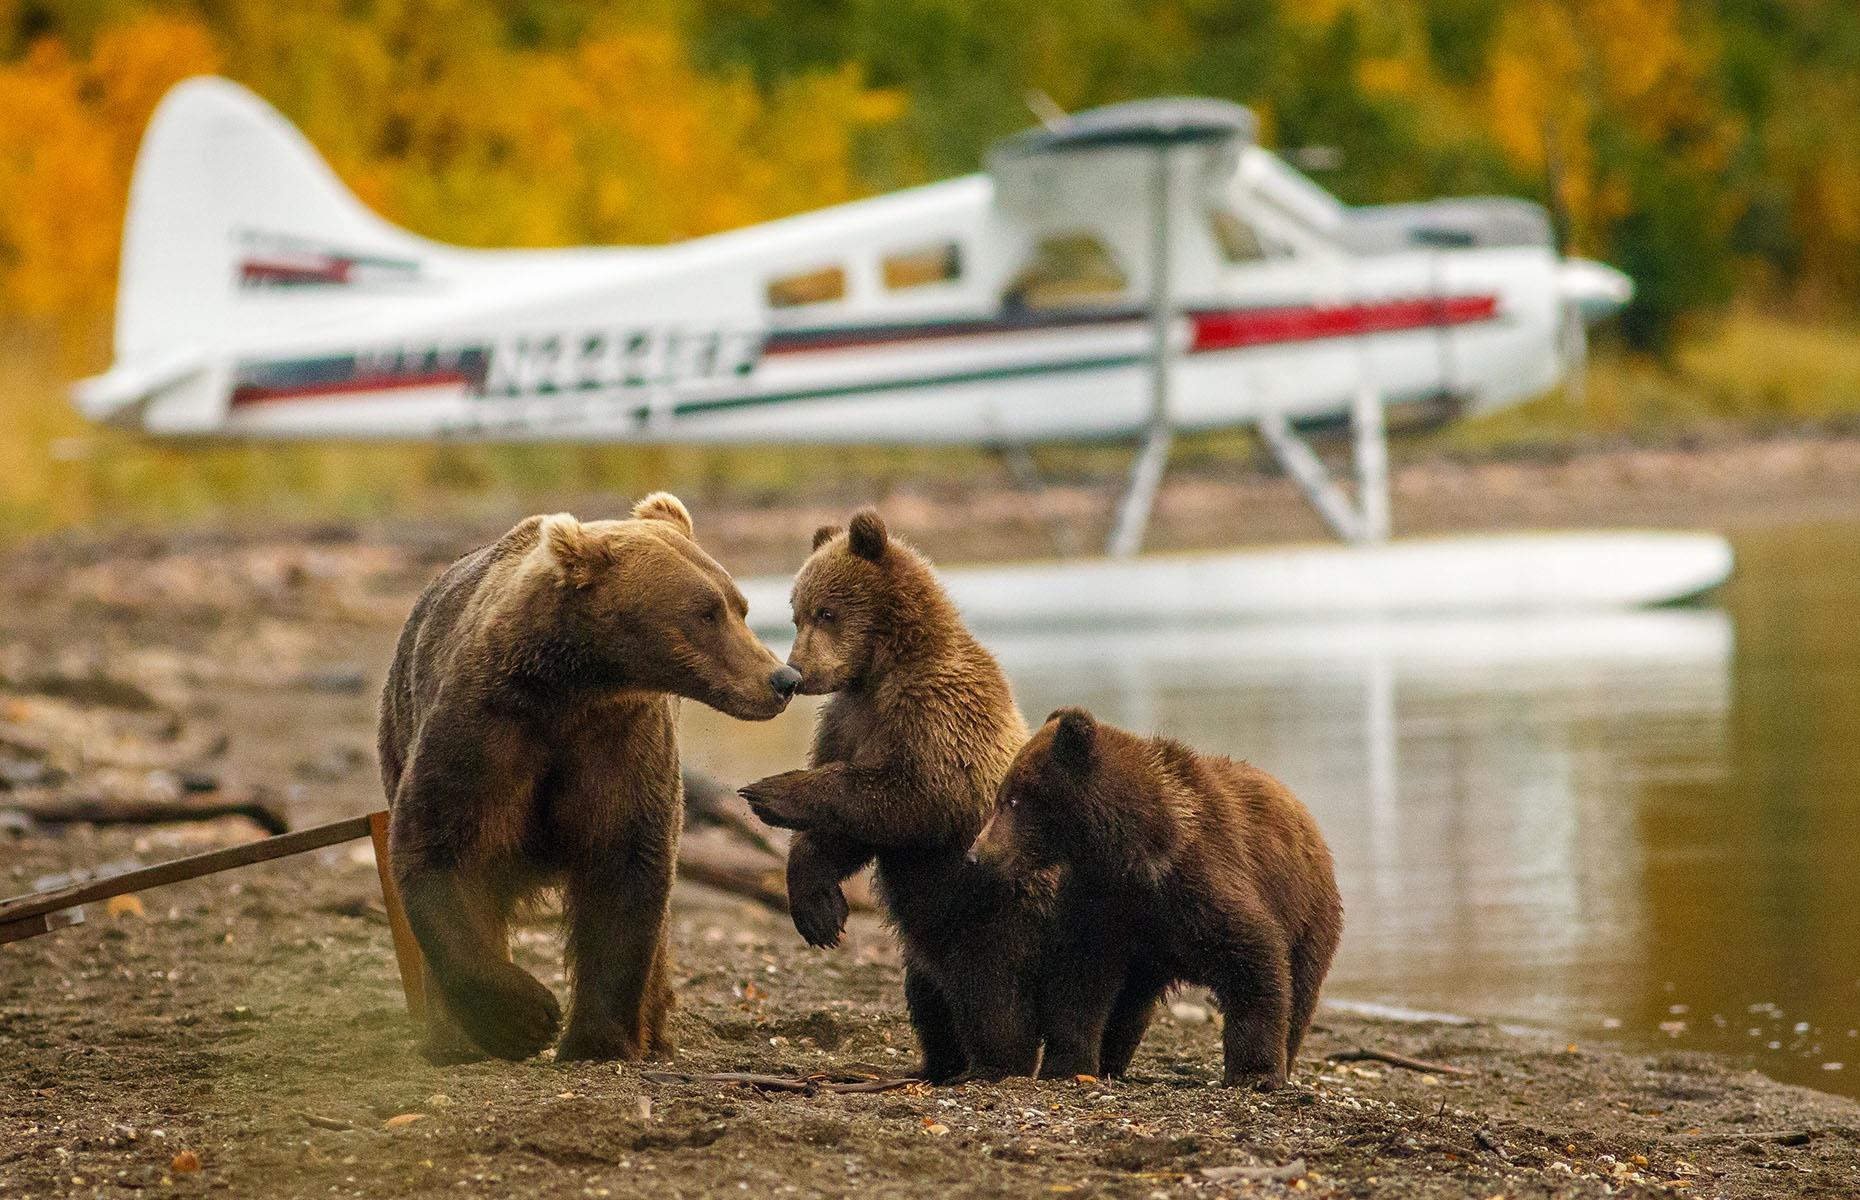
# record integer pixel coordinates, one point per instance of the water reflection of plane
(1478, 779)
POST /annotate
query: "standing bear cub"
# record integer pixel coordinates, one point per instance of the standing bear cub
(907, 756)
(1183, 868)
(527, 740)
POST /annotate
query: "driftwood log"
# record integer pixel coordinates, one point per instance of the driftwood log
(256, 804)
(806, 1085)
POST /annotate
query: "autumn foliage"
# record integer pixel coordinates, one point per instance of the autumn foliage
(1709, 149)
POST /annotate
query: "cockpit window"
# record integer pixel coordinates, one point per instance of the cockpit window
(1238, 240)
(808, 287)
(1069, 268)
(921, 265)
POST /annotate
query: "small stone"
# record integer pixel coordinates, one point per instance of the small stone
(403, 1120)
(185, 1163)
(1188, 1013)
(123, 906)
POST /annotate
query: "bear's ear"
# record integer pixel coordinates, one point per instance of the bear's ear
(825, 534)
(578, 553)
(868, 535)
(1074, 734)
(663, 506)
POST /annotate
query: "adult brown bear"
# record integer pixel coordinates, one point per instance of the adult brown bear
(527, 740)
(1181, 868)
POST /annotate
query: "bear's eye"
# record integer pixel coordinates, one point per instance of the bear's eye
(1014, 800)
(823, 615)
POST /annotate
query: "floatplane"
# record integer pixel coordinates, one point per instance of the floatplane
(1134, 271)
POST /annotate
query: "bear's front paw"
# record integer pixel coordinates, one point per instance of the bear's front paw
(1257, 1081)
(819, 915)
(506, 1012)
(605, 1042)
(450, 1048)
(777, 800)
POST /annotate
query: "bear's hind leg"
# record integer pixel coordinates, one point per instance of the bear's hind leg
(1311, 957)
(1255, 993)
(460, 923)
(657, 1017)
(943, 1059)
(616, 919)
(1130, 1020)
(994, 1018)
(1076, 1001)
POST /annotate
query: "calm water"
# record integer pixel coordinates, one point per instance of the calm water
(1640, 826)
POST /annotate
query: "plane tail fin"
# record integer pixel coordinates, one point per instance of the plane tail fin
(229, 202)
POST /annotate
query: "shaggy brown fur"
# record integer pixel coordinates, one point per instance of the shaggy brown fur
(527, 740)
(1183, 868)
(906, 759)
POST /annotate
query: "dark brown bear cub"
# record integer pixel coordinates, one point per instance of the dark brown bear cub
(906, 759)
(1184, 868)
(528, 739)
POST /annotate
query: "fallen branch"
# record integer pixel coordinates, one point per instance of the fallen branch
(765, 883)
(806, 1085)
(1291, 1170)
(1781, 1137)
(709, 802)
(255, 804)
(330, 1123)
(1393, 1059)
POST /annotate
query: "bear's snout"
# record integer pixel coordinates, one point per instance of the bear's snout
(786, 681)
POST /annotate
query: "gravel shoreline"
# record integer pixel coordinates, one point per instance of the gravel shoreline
(251, 1023)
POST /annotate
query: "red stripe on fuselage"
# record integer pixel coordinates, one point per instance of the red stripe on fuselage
(249, 393)
(1237, 328)
(1214, 329)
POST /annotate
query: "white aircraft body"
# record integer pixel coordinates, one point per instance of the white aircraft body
(1140, 269)
(260, 298)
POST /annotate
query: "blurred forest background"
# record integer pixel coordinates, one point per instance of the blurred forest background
(1708, 149)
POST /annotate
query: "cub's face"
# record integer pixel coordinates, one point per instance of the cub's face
(838, 603)
(1036, 820)
(654, 611)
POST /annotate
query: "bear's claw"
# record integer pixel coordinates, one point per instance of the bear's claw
(819, 916)
(603, 1045)
(773, 801)
(508, 1013)
(1258, 1081)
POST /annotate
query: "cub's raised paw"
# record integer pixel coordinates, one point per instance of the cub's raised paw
(819, 915)
(777, 800)
(508, 1012)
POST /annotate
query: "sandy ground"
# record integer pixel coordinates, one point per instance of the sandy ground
(251, 1023)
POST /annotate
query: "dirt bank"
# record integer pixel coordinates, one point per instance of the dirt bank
(252, 1023)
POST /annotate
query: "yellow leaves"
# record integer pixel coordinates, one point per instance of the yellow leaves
(433, 118)
(68, 130)
(1389, 76)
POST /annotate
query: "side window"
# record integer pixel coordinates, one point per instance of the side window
(808, 287)
(941, 263)
(1237, 239)
(1070, 268)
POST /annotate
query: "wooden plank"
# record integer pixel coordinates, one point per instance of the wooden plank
(406, 947)
(316, 837)
(26, 927)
